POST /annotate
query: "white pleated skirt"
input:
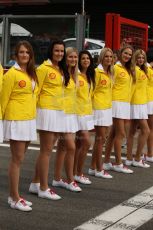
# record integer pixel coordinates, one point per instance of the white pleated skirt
(139, 111)
(103, 117)
(1, 131)
(85, 122)
(56, 121)
(121, 110)
(20, 130)
(150, 108)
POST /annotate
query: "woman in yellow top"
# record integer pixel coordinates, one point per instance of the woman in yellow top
(102, 106)
(1, 124)
(70, 120)
(84, 111)
(139, 112)
(149, 155)
(53, 77)
(121, 92)
(18, 100)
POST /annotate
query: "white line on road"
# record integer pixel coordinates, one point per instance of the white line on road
(54, 150)
(128, 215)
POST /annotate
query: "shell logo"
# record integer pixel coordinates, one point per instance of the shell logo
(143, 77)
(81, 83)
(103, 82)
(52, 76)
(122, 74)
(22, 83)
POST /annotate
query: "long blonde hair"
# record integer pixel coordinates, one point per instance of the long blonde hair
(135, 57)
(74, 70)
(101, 59)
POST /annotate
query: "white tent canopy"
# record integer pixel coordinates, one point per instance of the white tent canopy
(16, 30)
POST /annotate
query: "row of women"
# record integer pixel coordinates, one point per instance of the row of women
(63, 99)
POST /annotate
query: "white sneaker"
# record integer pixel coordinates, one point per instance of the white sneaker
(73, 186)
(82, 179)
(128, 162)
(103, 174)
(122, 168)
(20, 205)
(59, 183)
(34, 187)
(10, 200)
(91, 172)
(149, 159)
(48, 194)
(140, 164)
(107, 166)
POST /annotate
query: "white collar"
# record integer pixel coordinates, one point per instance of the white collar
(100, 67)
(119, 63)
(16, 66)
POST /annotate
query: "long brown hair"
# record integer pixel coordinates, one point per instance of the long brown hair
(31, 64)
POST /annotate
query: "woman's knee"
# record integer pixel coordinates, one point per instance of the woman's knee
(17, 159)
(120, 134)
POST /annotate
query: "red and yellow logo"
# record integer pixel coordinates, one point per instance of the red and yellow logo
(22, 83)
(122, 74)
(143, 77)
(81, 83)
(52, 76)
(103, 82)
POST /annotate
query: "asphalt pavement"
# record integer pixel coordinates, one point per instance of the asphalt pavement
(74, 208)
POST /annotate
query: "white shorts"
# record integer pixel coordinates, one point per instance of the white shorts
(121, 109)
(139, 112)
(150, 108)
(85, 122)
(20, 130)
(103, 117)
(56, 121)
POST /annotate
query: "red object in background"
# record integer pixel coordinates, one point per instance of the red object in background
(120, 31)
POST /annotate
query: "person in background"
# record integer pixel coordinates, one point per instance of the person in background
(70, 121)
(149, 155)
(18, 101)
(121, 94)
(1, 124)
(102, 105)
(139, 112)
(115, 56)
(53, 76)
(84, 111)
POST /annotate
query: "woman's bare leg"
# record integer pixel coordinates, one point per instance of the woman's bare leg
(150, 138)
(47, 141)
(96, 162)
(18, 151)
(119, 135)
(143, 136)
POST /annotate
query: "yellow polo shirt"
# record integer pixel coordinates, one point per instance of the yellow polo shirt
(102, 94)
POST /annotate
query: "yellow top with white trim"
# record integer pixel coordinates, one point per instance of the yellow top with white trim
(102, 94)
(70, 97)
(51, 89)
(18, 98)
(150, 84)
(140, 91)
(122, 84)
(83, 96)
(1, 78)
